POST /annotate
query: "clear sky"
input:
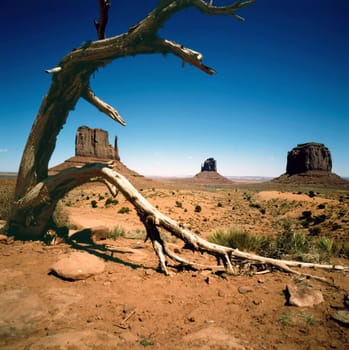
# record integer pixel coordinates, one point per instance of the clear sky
(282, 79)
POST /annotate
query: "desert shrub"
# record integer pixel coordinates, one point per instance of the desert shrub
(319, 219)
(136, 234)
(219, 205)
(234, 238)
(314, 231)
(124, 210)
(197, 209)
(321, 206)
(116, 232)
(111, 201)
(100, 197)
(94, 204)
(247, 196)
(311, 194)
(291, 243)
(7, 189)
(324, 247)
(306, 214)
(345, 250)
(60, 216)
(294, 245)
(336, 226)
(178, 204)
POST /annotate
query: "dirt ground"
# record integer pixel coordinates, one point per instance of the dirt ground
(132, 306)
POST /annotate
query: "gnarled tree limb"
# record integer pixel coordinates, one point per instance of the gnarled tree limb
(89, 96)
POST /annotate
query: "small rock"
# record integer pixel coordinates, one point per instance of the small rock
(303, 295)
(244, 290)
(78, 266)
(342, 317)
(220, 293)
(6, 239)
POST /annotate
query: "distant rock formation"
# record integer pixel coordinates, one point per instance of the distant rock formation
(209, 174)
(308, 157)
(95, 143)
(310, 164)
(210, 164)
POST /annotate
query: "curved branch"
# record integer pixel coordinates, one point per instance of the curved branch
(209, 9)
(188, 55)
(89, 96)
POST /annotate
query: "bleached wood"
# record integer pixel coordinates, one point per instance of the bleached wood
(111, 112)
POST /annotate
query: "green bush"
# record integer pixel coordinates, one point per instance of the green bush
(291, 243)
(111, 201)
(178, 204)
(94, 204)
(197, 209)
(124, 210)
(235, 238)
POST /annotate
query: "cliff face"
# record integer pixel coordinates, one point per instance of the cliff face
(95, 143)
(308, 157)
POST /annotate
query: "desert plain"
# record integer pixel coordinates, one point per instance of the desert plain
(131, 305)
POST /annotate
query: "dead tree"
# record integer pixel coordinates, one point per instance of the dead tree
(37, 194)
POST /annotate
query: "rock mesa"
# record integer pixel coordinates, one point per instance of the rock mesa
(94, 143)
(308, 157)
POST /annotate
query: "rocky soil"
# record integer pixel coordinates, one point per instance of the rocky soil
(129, 305)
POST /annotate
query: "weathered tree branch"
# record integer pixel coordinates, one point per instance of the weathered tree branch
(188, 55)
(104, 6)
(89, 96)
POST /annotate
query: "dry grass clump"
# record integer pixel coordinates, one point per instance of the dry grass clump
(286, 245)
(7, 189)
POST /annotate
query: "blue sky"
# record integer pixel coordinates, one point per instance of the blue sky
(282, 79)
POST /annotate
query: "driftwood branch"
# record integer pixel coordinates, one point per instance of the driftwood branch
(100, 25)
(89, 96)
(188, 55)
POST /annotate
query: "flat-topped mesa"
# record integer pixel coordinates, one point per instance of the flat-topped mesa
(210, 164)
(94, 143)
(310, 164)
(309, 156)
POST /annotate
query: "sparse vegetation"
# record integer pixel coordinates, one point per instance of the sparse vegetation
(286, 244)
(116, 233)
(124, 210)
(293, 318)
(197, 209)
(7, 187)
(111, 201)
(179, 204)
